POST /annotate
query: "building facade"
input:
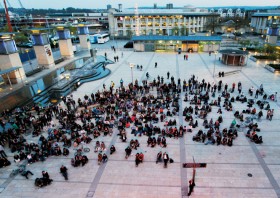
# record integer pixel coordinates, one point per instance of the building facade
(183, 21)
(261, 21)
(145, 43)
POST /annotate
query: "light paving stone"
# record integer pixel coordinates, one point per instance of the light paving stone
(227, 168)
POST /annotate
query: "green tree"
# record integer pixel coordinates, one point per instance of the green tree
(129, 33)
(269, 49)
(261, 49)
(212, 22)
(20, 38)
(184, 31)
(175, 31)
(256, 43)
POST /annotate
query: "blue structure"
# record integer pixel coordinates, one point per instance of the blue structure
(7, 46)
(64, 34)
(83, 30)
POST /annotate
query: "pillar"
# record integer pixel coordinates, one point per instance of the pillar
(43, 50)
(83, 36)
(9, 58)
(65, 44)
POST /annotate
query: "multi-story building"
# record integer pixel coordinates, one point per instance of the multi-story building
(230, 12)
(172, 21)
(261, 21)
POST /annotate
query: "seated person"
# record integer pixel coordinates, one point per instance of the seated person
(127, 152)
(65, 152)
(97, 146)
(112, 149)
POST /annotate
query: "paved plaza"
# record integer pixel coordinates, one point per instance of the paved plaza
(226, 174)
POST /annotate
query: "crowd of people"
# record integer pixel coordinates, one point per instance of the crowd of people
(132, 108)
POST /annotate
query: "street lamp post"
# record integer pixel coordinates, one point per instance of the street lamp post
(30, 63)
(244, 49)
(68, 78)
(131, 65)
(116, 35)
(216, 52)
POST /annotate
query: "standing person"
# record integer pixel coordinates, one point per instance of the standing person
(239, 88)
(271, 114)
(121, 82)
(63, 171)
(137, 160)
(155, 64)
(168, 74)
(184, 57)
(122, 54)
(275, 97)
(99, 158)
(191, 187)
(233, 87)
(165, 159)
(117, 57)
(159, 157)
(187, 57)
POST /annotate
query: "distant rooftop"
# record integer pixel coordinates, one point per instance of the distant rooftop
(179, 38)
(181, 11)
(268, 13)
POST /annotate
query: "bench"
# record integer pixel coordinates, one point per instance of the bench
(230, 73)
(34, 71)
(58, 61)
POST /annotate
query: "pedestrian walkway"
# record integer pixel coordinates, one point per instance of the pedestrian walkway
(226, 174)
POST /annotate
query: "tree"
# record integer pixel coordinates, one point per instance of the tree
(256, 43)
(129, 33)
(184, 31)
(261, 49)
(212, 22)
(20, 38)
(175, 31)
(270, 49)
(239, 22)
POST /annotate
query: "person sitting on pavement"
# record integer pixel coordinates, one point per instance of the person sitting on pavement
(63, 171)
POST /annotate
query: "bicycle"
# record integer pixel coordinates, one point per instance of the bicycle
(81, 150)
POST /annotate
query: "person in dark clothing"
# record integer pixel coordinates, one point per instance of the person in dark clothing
(165, 159)
(112, 149)
(46, 177)
(191, 187)
(25, 173)
(63, 171)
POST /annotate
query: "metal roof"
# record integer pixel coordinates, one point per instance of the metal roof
(234, 52)
(180, 38)
(7, 33)
(267, 14)
(39, 29)
(166, 12)
(6, 71)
